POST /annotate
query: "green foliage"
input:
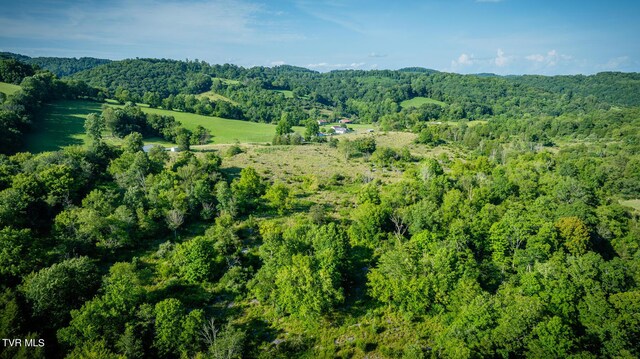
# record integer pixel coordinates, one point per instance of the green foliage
(197, 260)
(311, 129)
(93, 350)
(66, 285)
(280, 197)
(490, 246)
(106, 316)
(168, 315)
(13, 71)
(133, 142)
(17, 252)
(224, 343)
(247, 189)
(574, 233)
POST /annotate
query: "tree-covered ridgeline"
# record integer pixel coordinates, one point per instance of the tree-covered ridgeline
(366, 95)
(60, 66)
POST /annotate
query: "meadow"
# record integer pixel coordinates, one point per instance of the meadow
(633, 203)
(419, 101)
(215, 97)
(62, 124)
(8, 88)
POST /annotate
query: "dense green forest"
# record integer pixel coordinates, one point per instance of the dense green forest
(60, 66)
(495, 219)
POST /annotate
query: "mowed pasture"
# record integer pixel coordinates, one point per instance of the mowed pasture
(8, 89)
(222, 129)
(419, 101)
(60, 124)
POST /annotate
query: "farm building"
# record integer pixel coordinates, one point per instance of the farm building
(340, 130)
(322, 122)
(345, 120)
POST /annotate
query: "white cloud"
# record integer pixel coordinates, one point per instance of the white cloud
(375, 54)
(616, 63)
(463, 60)
(535, 58)
(324, 66)
(551, 58)
(277, 63)
(501, 60)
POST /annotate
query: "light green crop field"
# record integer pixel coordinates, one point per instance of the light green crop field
(8, 89)
(419, 101)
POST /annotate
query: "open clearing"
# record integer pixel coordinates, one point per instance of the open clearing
(633, 203)
(62, 124)
(215, 97)
(8, 89)
(286, 93)
(320, 174)
(419, 101)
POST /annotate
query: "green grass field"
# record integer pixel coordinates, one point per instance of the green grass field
(226, 81)
(8, 89)
(61, 124)
(215, 97)
(286, 93)
(633, 203)
(224, 130)
(419, 101)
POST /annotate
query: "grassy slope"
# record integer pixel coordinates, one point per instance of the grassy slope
(215, 97)
(8, 88)
(223, 130)
(286, 93)
(62, 124)
(419, 101)
(633, 203)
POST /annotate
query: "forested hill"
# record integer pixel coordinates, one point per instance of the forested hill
(613, 87)
(60, 66)
(370, 96)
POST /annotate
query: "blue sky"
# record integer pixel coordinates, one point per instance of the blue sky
(465, 36)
